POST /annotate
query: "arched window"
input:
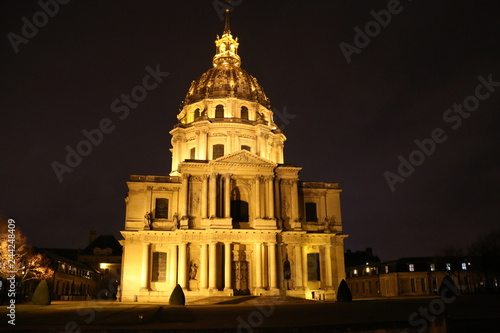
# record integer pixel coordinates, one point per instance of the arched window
(218, 151)
(244, 147)
(196, 114)
(219, 111)
(244, 112)
(311, 215)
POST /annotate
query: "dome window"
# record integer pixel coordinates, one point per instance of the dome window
(244, 112)
(219, 111)
(196, 114)
(218, 151)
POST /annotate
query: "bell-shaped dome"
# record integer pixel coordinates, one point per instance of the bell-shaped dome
(226, 78)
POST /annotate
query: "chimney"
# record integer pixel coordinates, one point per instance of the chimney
(92, 236)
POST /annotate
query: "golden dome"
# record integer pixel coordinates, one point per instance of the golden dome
(226, 78)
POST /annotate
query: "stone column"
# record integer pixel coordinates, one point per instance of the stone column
(328, 266)
(227, 266)
(295, 202)
(271, 247)
(203, 145)
(257, 197)
(182, 273)
(270, 197)
(304, 266)
(299, 281)
(204, 196)
(173, 265)
(146, 248)
(227, 195)
(212, 270)
(184, 195)
(213, 195)
(203, 267)
(258, 265)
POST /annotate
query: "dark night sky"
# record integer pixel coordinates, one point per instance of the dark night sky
(352, 120)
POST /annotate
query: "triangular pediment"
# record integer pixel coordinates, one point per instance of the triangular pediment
(244, 157)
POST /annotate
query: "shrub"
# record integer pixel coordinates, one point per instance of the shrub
(343, 293)
(42, 294)
(177, 297)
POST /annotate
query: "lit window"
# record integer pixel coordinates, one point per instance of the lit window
(411, 267)
(433, 267)
(387, 269)
(355, 272)
(448, 266)
(464, 266)
(368, 269)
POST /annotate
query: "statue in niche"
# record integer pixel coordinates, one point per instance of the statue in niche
(329, 223)
(175, 219)
(149, 217)
(193, 271)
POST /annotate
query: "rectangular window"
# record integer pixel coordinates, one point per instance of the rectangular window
(434, 284)
(159, 269)
(247, 148)
(313, 273)
(218, 151)
(413, 285)
(311, 214)
(411, 267)
(192, 153)
(161, 208)
(386, 269)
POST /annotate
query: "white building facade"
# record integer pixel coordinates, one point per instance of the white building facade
(231, 218)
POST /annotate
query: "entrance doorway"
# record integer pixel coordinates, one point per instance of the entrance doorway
(240, 278)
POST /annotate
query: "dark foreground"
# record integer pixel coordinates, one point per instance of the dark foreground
(262, 314)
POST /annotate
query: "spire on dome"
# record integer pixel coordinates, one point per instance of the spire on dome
(226, 47)
(227, 28)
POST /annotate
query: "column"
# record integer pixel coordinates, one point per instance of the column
(328, 266)
(204, 196)
(203, 145)
(295, 202)
(270, 197)
(271, 247)
(257, 197)
(258, 265)
(213, 195)
(184, 195)
(203, 267)
(227, 195)
(227, 266)
(299, 281)
(146, 247)
(173, 265)
(182, 275)
(304, 266)
(212, 270)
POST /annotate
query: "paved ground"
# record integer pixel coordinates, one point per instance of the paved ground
(260, 314)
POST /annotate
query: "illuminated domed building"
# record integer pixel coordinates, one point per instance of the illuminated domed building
(231, 218)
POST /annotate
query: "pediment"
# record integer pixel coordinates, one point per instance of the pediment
(244, 157)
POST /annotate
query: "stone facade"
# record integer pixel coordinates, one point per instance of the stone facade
(231, 218)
